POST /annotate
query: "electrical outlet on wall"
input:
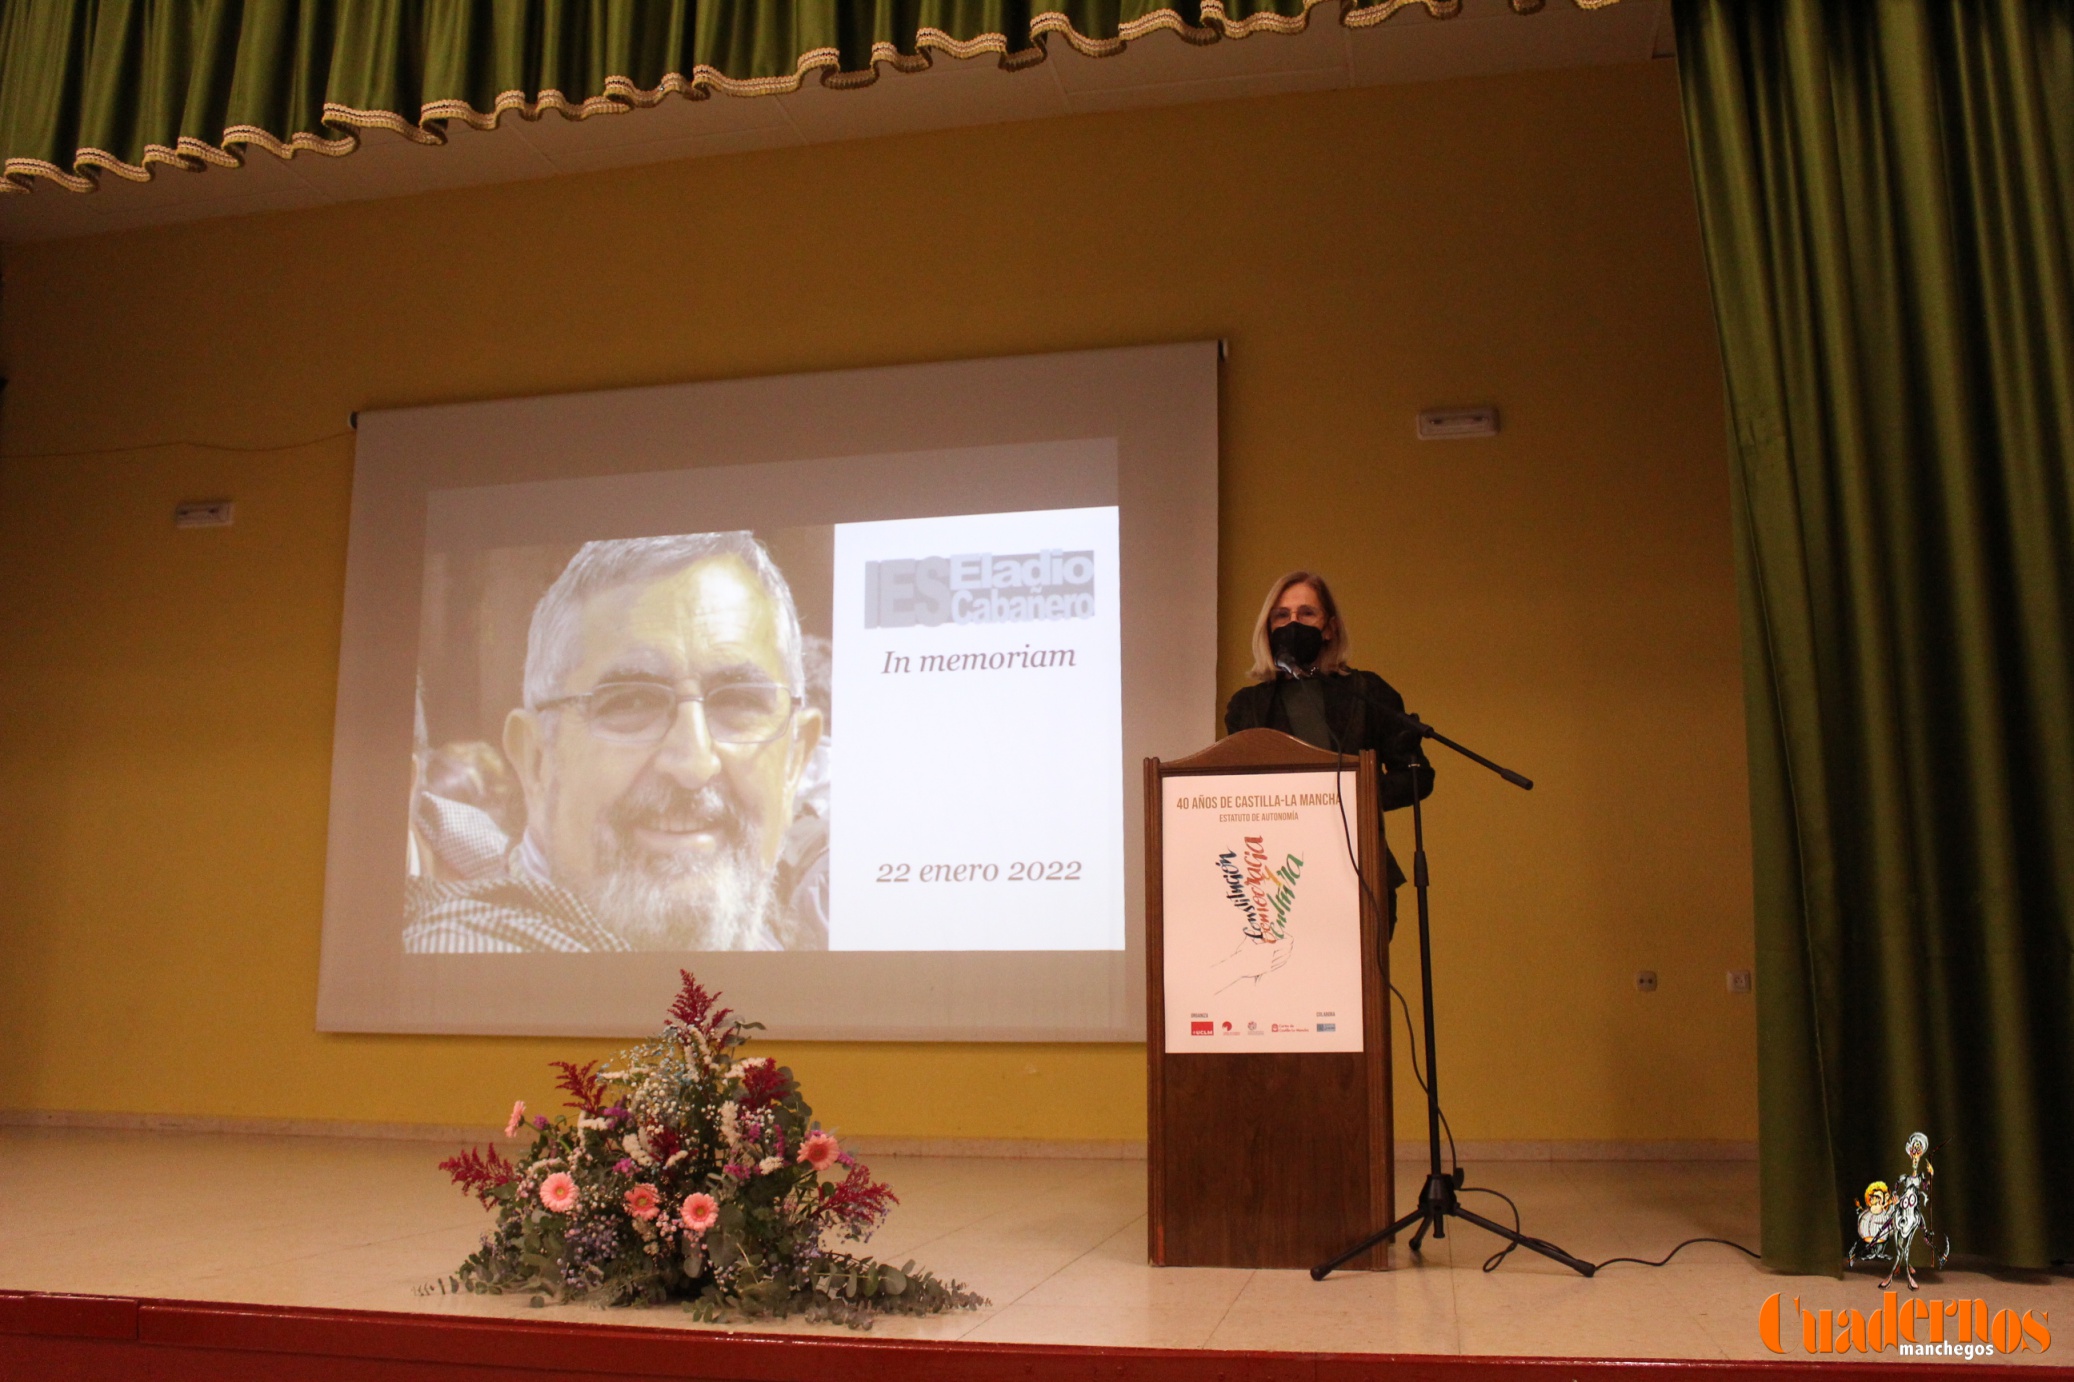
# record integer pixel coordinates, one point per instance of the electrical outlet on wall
(1645, 980)
(1739, 981)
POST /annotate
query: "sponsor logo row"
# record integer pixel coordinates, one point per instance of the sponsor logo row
(1203, 1025)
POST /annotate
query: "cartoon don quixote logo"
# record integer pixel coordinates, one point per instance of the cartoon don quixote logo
(1893, 1219)
(1892, 1226)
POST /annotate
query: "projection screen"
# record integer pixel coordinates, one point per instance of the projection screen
(831, 688)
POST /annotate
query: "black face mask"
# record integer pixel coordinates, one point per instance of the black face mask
(1296, 645)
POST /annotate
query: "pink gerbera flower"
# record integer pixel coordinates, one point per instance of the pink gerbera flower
(558, 1192)
(820, 1151)
(518, 1116)
(700, 1212)
(642, 1201)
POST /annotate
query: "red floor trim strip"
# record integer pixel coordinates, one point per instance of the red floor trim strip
(70, 1338)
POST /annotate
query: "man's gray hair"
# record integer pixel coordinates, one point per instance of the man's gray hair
(552, 649)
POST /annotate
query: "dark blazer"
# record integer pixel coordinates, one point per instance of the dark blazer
(1363, 712)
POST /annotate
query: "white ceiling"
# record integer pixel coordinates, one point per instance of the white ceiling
(1486, 37)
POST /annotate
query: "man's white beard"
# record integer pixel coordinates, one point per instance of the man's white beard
(668, 900)
(672, 902)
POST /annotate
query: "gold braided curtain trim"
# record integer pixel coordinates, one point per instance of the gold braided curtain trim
(618, 94)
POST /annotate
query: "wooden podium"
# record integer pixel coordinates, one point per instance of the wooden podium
(1279, 1155)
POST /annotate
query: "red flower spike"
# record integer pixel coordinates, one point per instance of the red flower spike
(480, 1173)
(580, 1082)
(763, 1084)
(695, 1008)
(860, 1200)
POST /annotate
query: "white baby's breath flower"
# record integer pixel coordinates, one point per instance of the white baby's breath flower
(730, 1128)
(589, 1124)
(769, 1164)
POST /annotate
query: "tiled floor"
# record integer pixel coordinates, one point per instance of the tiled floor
(1057, 1246)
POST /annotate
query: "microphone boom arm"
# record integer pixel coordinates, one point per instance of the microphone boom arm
(1414, 725)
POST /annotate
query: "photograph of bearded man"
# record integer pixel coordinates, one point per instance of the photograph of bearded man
(659, 751)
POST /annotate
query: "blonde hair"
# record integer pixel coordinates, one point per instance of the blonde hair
(1332, 659)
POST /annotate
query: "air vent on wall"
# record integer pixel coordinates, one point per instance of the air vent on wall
(1449, 424)
(204, 513)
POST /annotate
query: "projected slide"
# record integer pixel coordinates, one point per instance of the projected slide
(887, 735)
(981, 806)
(834, 689)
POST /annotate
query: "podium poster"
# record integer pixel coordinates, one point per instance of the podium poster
(1262, 914)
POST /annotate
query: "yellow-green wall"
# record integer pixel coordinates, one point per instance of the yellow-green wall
(1560, 597)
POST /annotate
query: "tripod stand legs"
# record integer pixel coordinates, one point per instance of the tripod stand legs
(1527, 1241)
(1417, 1216)
(1437, 1204)
(1437, 1199)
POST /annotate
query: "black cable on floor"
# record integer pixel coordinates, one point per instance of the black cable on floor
(1675, 1251)
(1491, 1262)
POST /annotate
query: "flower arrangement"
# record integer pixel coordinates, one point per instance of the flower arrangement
(688, 1174)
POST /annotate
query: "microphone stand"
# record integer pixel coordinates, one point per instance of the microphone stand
(1438, 1200)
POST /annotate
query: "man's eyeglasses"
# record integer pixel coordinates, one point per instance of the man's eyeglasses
(641, 712)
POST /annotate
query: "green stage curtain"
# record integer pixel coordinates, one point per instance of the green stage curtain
(1886, 189)
(121, 85)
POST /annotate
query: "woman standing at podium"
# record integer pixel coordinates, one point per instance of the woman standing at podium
(1304, 688)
